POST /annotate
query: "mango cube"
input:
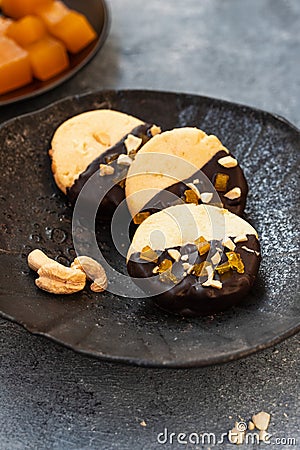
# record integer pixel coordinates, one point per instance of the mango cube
(48, 57)
(27, 30)
(52, 13)
(21, 8)
(15, 68)
(4, 24)
(74, 31)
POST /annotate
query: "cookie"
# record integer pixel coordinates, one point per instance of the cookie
(194, 259)
(81, 139)
(170, 167)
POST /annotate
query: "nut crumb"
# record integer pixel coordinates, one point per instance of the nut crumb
(240, 238)
(228, 162)
(174, 254)
(228, 243)
(185, 257)
(155, 130)
(132, 143)
(216, 258)
(143, 423)
(124, 160)
(233, 193)
(261, 420)
(206, 197)
(213, 283)
(251, 425)
(105, 169)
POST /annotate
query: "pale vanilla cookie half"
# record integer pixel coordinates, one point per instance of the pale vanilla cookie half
(174, 162)
(81, 139)
(194, 259)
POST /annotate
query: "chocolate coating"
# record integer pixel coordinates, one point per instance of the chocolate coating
(163, 199)
(189, 297)
(112, 184)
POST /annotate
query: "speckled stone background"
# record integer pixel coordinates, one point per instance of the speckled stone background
(50, 398)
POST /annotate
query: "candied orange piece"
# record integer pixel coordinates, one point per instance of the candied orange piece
(15, 68)
(148, 254)
(203, 245)
(191, 196)
(21, 8)
(223, 268)
(4, 24)
(235, 261)
(165, 265)
(140, 217)
(48, 57)
(221, 182)
(167, 276)
(27, 30)
(75, 31)
(200, 270)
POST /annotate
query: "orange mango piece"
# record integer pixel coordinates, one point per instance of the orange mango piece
(15, 68)
(21, 8)
(48, 57)
(27, 30)
(75, 31)
(4, 24)
(52, 13)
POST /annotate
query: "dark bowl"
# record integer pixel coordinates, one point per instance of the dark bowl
(98, 14)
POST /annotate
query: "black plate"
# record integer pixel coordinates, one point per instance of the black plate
(34, 214)
(97, 13)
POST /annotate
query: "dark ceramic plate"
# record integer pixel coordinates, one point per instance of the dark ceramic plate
(97, 13)
(35, 214)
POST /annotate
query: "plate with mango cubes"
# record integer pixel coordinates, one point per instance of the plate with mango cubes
(43, 43)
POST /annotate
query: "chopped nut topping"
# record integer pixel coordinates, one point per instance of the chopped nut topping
(148, 254)
(228, 162)
(185, 257)
(105, 169)
(261, 420)
(191, 196)
(202, 245)
(174, 254)
(228, 243)
(124, 160)
(206, 197)
(132, 143)
(233, 193)
(251, 426)
(213, 283)
(155, 130)
(223, 268)
(196, 181)
(194, 188)
(216, 258)
(221, 182)
(140, 217)
(155, 270)
(188, 267)
(235, 261)
(240, 238)
(102, 138)
(249, 250)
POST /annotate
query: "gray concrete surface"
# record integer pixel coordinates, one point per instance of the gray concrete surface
(245, 51)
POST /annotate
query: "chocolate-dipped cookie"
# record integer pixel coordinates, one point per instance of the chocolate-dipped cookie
(87, 144)
(81, 139)
(174, 162)
(194, 259)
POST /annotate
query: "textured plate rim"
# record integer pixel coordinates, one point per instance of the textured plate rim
(70, 74)
(226, 357)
